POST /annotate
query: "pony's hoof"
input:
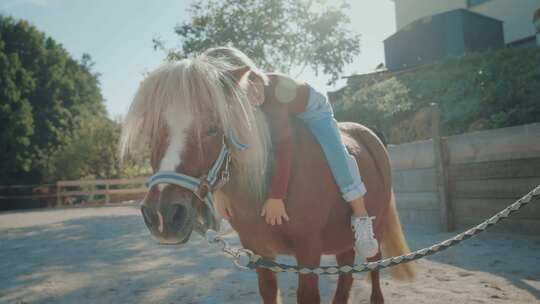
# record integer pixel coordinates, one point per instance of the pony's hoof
(377, 299)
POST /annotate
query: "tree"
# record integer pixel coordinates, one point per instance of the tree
(91, 151)
(16, 121)
(43, 93)
(284, 35)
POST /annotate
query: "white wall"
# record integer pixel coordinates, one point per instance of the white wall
(517, 16)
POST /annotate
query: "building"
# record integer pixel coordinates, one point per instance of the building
(430, 30)
(516, 15)
(448, 34)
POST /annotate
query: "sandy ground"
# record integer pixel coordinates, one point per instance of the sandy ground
(106, 255)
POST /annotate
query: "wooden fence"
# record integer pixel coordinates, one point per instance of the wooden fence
(459, 181)
(105, 188)
(440, 184)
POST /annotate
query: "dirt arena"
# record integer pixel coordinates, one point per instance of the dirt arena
(106, 255)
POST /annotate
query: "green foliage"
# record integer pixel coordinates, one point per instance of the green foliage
(52, 115)
(87, 151)
(91, 151)
(16, 121)
(479, 91)
(277, 34)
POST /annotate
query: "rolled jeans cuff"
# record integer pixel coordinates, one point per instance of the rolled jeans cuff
(354, 192)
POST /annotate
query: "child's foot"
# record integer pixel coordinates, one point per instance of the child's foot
(365, 243)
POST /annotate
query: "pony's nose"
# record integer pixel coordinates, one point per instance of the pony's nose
(150, 217)
(160, 223)
(180, 216)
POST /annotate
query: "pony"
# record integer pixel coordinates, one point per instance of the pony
(188, 112)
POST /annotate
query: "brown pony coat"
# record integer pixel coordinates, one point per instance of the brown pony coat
(319, 217)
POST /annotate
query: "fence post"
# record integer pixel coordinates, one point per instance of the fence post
(440, 165)
(58, 195)
(107, 197)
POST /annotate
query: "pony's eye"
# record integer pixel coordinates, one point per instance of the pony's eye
(212, 131)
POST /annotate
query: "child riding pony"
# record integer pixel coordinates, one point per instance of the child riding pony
(281, 96)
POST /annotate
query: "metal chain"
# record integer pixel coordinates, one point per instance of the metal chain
(241, 257)
(246, 259)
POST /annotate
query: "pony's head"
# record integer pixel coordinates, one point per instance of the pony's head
(185, 112)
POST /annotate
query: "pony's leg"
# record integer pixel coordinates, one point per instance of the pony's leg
(268, 287)
(345, 280)
(376, 292)
(308, 284)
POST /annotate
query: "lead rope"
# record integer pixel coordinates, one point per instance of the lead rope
(245, 259)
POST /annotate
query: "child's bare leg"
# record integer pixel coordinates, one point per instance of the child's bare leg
(358, 207)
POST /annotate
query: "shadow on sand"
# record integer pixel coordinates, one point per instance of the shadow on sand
(514, 258)
(112, 259)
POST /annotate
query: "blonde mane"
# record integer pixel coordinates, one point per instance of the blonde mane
(193, 87)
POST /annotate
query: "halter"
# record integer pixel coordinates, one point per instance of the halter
(204, 186)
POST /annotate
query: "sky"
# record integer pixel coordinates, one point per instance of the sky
(118, 35)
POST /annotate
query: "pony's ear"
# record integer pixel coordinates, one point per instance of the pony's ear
(239, 73)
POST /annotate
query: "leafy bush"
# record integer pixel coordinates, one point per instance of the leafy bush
(90, 151)
(478, 91)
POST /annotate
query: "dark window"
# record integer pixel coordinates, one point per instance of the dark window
(471, 3)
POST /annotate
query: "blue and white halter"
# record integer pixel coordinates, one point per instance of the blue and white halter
(204, 186)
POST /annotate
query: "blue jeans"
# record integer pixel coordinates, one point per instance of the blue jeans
(319, 117)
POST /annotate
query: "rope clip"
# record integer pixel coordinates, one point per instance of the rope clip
(243, 258)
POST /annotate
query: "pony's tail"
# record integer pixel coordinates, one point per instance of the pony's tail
(394, 244)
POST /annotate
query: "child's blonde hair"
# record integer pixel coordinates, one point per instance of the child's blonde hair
(236, 59)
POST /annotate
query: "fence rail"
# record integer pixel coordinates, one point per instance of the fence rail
(453, 181)
(99, 187)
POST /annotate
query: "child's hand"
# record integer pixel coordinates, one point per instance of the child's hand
(273, 210)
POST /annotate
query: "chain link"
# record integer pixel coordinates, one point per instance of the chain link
(241, 257)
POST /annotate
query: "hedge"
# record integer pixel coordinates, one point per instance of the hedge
(486, 90)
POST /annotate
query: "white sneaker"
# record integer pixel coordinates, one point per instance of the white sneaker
(365, 243)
